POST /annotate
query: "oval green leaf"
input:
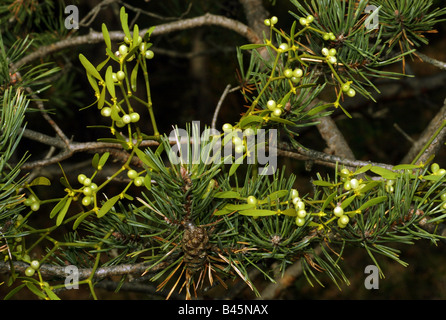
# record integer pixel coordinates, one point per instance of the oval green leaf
(40, 181)
(227, 195)
(63, 211)
(406, 167)
(107, 206)
(372, 202)
(58, 207)
(289, 212)
(81, 218)
(237, 207)
(106, 36)
(103, 160)
(134, 76)
(383, 172)
(109, 81)
(257, 212)
(252, 46)
(89, 67)
(124, 22)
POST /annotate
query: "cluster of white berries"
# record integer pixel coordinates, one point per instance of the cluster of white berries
(276, 109)
(299, 205)
(343, 219)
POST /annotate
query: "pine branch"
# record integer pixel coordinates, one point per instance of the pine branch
(429, 132)
(95, 37)
(54, 271)
(73, 147)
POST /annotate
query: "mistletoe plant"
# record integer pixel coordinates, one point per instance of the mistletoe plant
(199, 208)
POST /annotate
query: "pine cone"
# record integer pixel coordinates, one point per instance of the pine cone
(195, 244)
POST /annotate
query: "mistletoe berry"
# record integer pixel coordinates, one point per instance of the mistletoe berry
(120, 75)
(338, 211)
(271, 104)
(29, 272)
(274, 20)
(132, 174)
(123, 49)
(149, 54)
(35, 264)
(251, 200)
(106, 111)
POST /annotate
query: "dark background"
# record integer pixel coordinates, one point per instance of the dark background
(190, 70)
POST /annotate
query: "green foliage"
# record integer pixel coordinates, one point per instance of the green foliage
(195, 219)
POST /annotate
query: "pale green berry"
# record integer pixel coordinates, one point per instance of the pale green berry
(300, 221)
(35, 206)
(87, 191)
(81, 178)
(298, 73)
(277, 112)
(332, 52)
(274, 20)
(435, 167)
(351, 92)
(303, 21)
(139, 181)
(29, 272)
(237, 141)
(106, 111)
(35, 264)
(87, 182)
(300, 205)
(132, 174)
(271, 104)
(302, 213)
(294, 193)
(239, 148)
(126, 119)
(295, 80)
(267, 22)
(344, 219)
(338, 211)
(123, 49)
(142, 47)
(325, 51)
(86, 201)
(227, 127)
(354, 183)
(288, 73)
(120, 75)
(347, 185)
(332, 59)
(310, 18)
(344, 172)
(283, 46)
(134, 117)
(249, 132)
(149, 54)
(251, 200)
